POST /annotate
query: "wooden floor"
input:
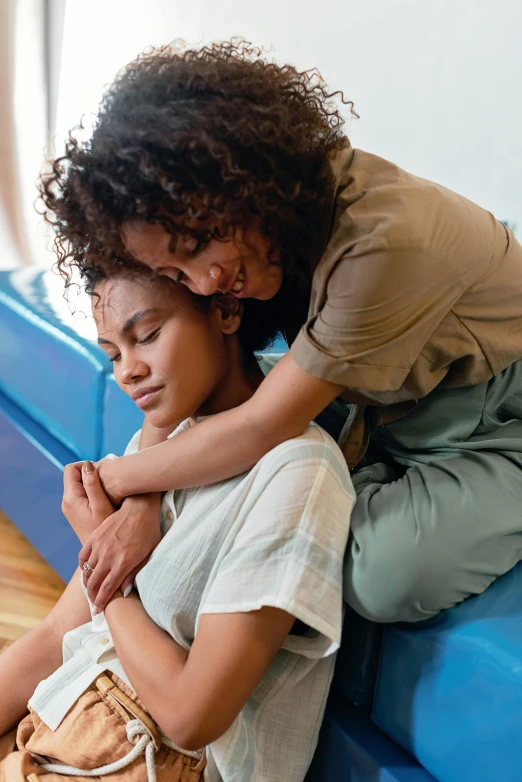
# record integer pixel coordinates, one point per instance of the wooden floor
(28, 586)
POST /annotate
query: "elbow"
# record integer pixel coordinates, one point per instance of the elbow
(187, 740)
(193, 731)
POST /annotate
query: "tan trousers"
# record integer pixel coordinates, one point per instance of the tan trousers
(92, 734)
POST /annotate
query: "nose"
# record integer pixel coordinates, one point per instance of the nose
(210, 281)
(131, 369)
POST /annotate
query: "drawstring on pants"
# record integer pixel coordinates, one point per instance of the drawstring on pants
(149, 738)
(144, 746)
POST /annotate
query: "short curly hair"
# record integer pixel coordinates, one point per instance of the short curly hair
(214, 135)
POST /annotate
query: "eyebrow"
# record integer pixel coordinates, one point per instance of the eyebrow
(128, 325)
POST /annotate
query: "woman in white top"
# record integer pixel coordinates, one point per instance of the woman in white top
(208, 645)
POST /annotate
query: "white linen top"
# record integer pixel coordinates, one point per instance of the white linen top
(274, 536)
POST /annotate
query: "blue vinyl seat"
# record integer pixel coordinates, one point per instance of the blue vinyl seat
(449, 689)
(44, 350)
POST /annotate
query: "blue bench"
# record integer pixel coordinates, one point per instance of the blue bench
(448, 694)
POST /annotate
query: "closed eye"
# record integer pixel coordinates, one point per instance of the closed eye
(114, 358)
(150, 336)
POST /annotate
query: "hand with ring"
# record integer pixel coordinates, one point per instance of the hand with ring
(119, 547)
(85, 504)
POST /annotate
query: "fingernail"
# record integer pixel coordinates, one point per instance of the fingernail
(88, 467)
(127, 590)
(95, 611)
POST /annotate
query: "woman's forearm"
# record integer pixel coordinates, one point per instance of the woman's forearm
(195, 697)
(223, 445)
(23, 666)
(228, 443)
(152, 660)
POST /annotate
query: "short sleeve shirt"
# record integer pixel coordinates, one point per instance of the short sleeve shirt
(417, 287)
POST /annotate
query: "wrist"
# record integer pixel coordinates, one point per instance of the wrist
(144, 502)
(110, 474)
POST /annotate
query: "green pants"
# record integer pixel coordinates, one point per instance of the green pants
(439, 516)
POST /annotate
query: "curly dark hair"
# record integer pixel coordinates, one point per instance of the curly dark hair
(220, 133)
(259, 323)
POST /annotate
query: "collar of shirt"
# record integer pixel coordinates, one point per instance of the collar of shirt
(186, 424)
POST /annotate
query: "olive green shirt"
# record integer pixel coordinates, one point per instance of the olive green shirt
(417, 287)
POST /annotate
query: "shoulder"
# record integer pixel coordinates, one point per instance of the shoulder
(306, 458)
(313, 443)
(301, 490)
(380, 205)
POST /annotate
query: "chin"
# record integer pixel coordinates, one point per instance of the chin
(162, 420)
(269, 291)
(267, 294)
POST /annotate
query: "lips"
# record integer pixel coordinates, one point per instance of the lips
(143, 397)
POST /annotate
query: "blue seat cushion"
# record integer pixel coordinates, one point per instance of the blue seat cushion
(49, 366)
(352, 749)
(449, 690)
(121, 418)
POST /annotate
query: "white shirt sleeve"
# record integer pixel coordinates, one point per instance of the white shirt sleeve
(289, 551)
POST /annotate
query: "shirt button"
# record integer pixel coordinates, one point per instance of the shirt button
(169, 515)
(104, 640)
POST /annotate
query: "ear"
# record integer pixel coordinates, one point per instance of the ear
(229, 310)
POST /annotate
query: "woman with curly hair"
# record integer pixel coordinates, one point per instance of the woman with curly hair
(402, 299)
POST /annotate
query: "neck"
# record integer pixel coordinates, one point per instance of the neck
(238, 385)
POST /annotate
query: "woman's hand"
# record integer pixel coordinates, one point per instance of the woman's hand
(119, 547)
(85, 505)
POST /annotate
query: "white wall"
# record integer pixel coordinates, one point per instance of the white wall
(436, 82)
(30, 120)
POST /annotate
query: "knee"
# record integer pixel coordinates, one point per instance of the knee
(385, 588)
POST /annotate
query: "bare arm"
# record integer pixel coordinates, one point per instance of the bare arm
(38, 654)
(225, 444)
(195, 696)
